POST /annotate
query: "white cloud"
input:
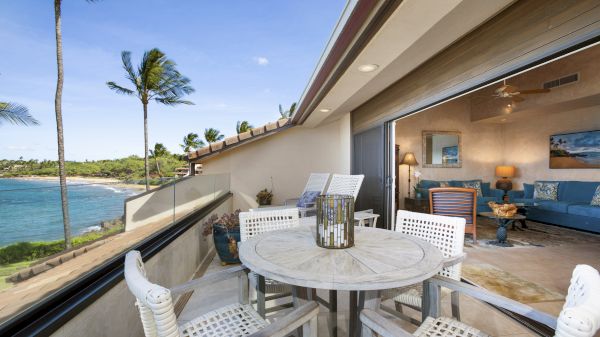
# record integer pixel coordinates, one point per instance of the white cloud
(19, 148)
(261, 60)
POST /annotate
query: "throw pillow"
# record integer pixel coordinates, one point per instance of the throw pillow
(444, 184)
(308, 198)
(596, 197)
(474, 184)
(528, 191)
(545, 191)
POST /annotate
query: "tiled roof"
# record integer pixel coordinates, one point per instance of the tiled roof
(240, 139)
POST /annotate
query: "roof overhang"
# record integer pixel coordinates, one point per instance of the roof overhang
(398, 36)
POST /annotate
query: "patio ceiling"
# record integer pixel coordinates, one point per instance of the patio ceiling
(413, 33)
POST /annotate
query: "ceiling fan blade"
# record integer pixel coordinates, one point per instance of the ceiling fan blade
(510, 88)
(518, 99)
(535, 91)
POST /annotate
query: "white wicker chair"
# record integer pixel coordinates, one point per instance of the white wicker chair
(158, 315)
(580, 316)
(316, 182)
(445, 233)
(345, 184)
(256, 223)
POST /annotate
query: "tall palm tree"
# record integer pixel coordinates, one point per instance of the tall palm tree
(191, 142)
(16, 114)
(212, 135)
(287, 113)
(159, 151)
(243, 126)
(156, 78)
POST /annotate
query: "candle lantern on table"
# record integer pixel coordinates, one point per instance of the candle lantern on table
(335, 221)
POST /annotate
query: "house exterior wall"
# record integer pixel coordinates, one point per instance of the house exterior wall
(283, 161)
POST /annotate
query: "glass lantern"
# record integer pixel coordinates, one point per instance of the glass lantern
(335, 221)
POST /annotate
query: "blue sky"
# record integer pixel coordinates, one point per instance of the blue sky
(243, 58)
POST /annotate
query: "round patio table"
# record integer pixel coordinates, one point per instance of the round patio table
(380, 259)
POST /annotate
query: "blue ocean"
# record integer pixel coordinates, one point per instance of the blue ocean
(30, 209)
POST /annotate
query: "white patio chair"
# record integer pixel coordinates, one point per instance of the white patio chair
(316, 182)
(256, 223)
(445, 233)
(580, 316)
(344, 184)
(158, 315)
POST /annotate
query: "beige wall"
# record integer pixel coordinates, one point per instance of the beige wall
(114, 313)
(284, 160)
(481, 144)
(526, 145)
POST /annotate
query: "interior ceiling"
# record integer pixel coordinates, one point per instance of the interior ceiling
(415, 32)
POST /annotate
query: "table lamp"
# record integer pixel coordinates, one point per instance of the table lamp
(505, 172)
(410, 160)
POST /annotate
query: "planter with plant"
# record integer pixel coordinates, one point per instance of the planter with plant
(264, 197)
(226, 235)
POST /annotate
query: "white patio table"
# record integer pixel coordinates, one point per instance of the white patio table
(380, 259)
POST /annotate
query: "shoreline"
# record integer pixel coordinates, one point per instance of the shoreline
(86, 180)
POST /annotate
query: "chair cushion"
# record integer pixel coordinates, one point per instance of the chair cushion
(545, 190)
(596, 198)
(555, 206)
(307, 198)
(476, 184)
(584, 210)
(528, 191)
(577, 191)
(486, 189)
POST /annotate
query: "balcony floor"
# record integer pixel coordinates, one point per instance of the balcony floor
(547, 268)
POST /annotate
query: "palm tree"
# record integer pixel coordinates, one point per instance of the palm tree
(16, 114)
(156, 78)
(212, 135)
(287, 113)
(159, 151)
(191, 142)
(243, 126)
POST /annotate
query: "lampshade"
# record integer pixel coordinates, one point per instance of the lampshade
(505, 171)
(409, 159)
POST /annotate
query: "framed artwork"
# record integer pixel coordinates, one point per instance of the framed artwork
(450, 155)
(576, 150)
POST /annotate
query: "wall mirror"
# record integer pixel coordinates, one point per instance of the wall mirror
(442, 149)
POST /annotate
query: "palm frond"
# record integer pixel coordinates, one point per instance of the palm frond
(172, 100)
(16, 114)
(119, 89)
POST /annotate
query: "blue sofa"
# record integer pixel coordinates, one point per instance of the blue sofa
(571, 209)
(489, 194)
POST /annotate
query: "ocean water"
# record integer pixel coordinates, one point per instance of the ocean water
(30, 210)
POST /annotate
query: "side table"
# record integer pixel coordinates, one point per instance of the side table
(416, 205)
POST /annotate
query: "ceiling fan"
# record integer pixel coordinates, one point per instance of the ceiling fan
(511, 91)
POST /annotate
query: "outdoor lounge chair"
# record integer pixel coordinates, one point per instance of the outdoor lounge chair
(445, 233)
(256, 223)
(580, 316)
(343, 184)
(158, 315)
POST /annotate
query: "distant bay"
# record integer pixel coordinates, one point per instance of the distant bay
(30, 209)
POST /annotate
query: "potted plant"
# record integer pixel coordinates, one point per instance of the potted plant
(264, 197)
(226, 235)
(418, 195)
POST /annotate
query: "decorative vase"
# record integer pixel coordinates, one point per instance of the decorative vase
(335, 221)
(226, 243)
(418, 195)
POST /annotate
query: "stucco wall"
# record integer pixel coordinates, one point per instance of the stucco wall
(526, 145)
(283, 161)
(114, 313)
(481, 144)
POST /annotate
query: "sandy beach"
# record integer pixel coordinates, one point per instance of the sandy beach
(87, 180)
(568, 162)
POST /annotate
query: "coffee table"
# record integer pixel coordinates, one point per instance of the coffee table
(503, 222)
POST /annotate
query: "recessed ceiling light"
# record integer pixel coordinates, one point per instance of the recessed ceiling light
(324, 110)
(367, 68)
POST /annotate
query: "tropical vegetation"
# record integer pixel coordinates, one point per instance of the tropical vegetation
(191, 142)
(213, 135)
(158, 79)
(16, 114)
(158, 152)
(243, 126)
(289, 112)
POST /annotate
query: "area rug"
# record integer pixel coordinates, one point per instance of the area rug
(508, 285)
(537, 234)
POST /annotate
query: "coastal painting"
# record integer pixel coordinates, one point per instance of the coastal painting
(575, 150)
(450, 155)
